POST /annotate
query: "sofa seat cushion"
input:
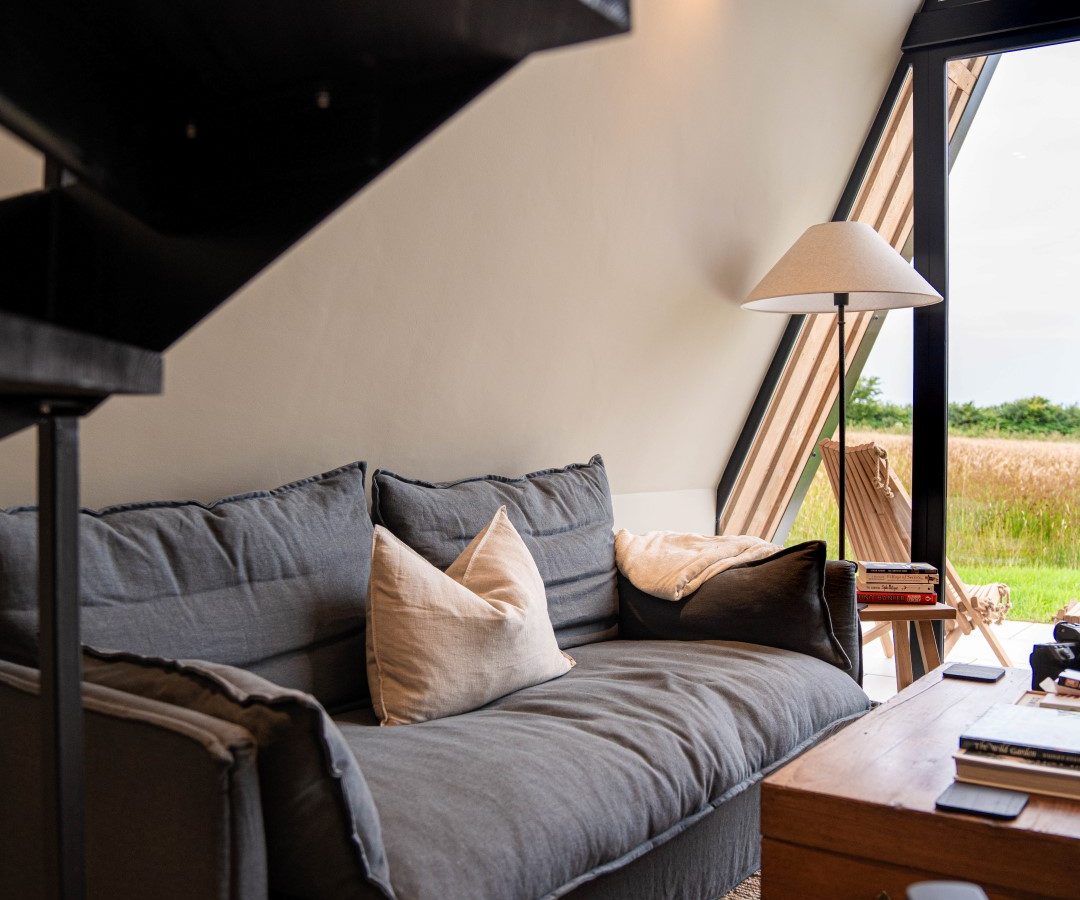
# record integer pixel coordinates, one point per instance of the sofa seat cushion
(533, 794)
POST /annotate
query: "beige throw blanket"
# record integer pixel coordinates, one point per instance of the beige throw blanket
(672, 565)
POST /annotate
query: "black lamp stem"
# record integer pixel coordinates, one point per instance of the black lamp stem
(841, 301)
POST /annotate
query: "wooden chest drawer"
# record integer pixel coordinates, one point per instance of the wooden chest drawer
(790, 871)
(855, 816)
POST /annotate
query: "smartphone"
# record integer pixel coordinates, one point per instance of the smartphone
(968, 672)
(979, 800)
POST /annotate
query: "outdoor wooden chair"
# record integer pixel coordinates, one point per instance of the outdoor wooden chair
(879, 528)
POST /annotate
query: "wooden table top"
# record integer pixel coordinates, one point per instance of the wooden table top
(912, 612)
(870, 790)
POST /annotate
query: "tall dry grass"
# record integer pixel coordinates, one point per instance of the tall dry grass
(1014, 513)
(1011, 502)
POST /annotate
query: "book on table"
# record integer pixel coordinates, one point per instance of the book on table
(919, 580)
(895, 587)
(896, 582)
(862, 596)
(870, 570)
(1069, 679)
(1016, 774)
(1023, 747)
(1026, 732)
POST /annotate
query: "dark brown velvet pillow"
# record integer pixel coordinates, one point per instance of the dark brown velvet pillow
(778, 601)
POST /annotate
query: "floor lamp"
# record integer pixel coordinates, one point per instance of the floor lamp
(832, 268)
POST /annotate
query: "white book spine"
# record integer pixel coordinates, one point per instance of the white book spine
(894, 577)
(898, 587)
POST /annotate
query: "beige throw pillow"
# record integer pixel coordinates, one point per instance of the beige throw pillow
(442, 643)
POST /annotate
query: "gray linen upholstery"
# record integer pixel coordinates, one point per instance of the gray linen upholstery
(563, 515)
(701, 862)
(704, 860)
(322, 830)
(777, 601)
(542, 790)
(272, 581)
(843, 611)
(172, 799)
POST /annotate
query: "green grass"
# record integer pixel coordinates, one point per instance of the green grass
(1014, 515)
(1037, 593)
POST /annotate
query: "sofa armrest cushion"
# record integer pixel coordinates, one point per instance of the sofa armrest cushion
(777, 601)
(323, 836)
(172, 798)
(840, 596)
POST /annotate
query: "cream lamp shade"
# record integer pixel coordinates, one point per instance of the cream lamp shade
(840, 258)
(832, 268)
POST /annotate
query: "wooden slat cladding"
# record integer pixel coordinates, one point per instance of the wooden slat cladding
(806, 392)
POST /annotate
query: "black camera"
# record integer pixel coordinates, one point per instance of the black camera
(1067, 633)
(1049, 660)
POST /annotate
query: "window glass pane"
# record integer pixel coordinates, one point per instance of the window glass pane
(1014, 332)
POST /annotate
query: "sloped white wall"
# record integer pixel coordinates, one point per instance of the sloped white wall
(555, 272)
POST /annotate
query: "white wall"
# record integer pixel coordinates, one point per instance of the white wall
(555, 272)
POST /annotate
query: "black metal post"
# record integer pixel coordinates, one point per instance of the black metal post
(841, 301)
(60, 659)
(930, 415)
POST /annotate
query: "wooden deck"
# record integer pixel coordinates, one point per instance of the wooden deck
(879, 679)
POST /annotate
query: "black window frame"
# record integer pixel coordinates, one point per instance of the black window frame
(944, 30)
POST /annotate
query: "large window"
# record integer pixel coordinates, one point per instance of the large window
(774, 468)
(1014, 369)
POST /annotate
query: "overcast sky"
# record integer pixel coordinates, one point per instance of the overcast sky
(1014, 316)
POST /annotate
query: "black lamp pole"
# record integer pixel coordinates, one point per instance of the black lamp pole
(841, 301)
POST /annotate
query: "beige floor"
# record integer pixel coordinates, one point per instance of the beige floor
(879, 679)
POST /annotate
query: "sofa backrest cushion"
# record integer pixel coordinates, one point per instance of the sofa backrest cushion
(844, 613)
(272, 581)
(563, 515)
(323, 834)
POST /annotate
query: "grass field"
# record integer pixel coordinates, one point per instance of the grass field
(1014, 515)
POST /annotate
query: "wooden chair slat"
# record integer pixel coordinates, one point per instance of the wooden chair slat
(879, 528)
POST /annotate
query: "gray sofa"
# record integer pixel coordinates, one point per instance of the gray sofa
(634, 775)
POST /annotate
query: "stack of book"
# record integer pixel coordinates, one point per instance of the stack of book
(895, 582)
(1068, 683)
(1023, 748)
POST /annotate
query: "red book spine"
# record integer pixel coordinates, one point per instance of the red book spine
(883, 597)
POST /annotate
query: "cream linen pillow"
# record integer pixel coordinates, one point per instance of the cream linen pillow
(442, 643)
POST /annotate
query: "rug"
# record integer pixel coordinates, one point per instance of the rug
(748, 890)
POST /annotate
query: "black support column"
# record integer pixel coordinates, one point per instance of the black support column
(930, 420)
(61, 665)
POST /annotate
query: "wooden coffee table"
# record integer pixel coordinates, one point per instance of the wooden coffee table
(854, 816)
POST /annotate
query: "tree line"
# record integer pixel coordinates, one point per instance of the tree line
(1029, 416)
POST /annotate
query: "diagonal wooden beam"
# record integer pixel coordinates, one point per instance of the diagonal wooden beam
(803, 404)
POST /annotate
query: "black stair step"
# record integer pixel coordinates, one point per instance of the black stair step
(195, 114)
(46, 362)
(116, 277)
(45, 365)
(204, 138)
